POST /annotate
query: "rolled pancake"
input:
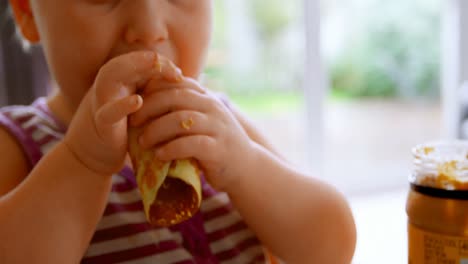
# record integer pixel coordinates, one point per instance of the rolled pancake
(170, 191)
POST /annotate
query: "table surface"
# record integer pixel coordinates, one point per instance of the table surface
(381, 223)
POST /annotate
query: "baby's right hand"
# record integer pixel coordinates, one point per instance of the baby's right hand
(97, 135)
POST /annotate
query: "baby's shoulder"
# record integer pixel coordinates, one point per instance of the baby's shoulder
(18, 128)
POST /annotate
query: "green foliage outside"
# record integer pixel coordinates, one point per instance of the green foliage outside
(272, 17)
(394, 52)
(256, 89)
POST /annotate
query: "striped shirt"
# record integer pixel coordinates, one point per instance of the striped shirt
(216, 234)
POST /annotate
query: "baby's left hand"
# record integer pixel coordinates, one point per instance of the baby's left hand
(185, 120)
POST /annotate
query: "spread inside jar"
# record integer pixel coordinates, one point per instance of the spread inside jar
(441, 165)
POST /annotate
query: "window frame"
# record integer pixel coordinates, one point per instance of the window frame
(454, 41)
(315, 86)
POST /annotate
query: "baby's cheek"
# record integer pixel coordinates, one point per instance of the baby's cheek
(192, 57)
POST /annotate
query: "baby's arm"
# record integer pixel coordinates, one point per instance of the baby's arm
(300, 219)
(14, 166)
(51, 216)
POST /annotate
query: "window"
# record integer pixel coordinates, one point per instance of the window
(381, 94)
(382, 88)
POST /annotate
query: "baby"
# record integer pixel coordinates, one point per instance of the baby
(67, 191)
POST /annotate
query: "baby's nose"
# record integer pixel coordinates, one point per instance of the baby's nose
(147, 23)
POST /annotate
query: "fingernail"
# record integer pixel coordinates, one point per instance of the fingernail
(179, 78)
(137, 99)
(176, 73)
(180, 74)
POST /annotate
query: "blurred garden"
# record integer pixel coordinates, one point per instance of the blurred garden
(371, 48)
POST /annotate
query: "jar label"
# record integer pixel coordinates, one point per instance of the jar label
(431, 248)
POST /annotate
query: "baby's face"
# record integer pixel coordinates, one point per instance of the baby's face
(80, 36)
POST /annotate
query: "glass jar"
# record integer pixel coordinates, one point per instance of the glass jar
(437, 204)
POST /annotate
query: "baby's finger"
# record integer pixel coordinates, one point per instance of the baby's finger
(185, 82)
(167, 70)
(194, 84)
(167, 100)
(199, 147)
(174, 125)
(115, 111)
(121, 76)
